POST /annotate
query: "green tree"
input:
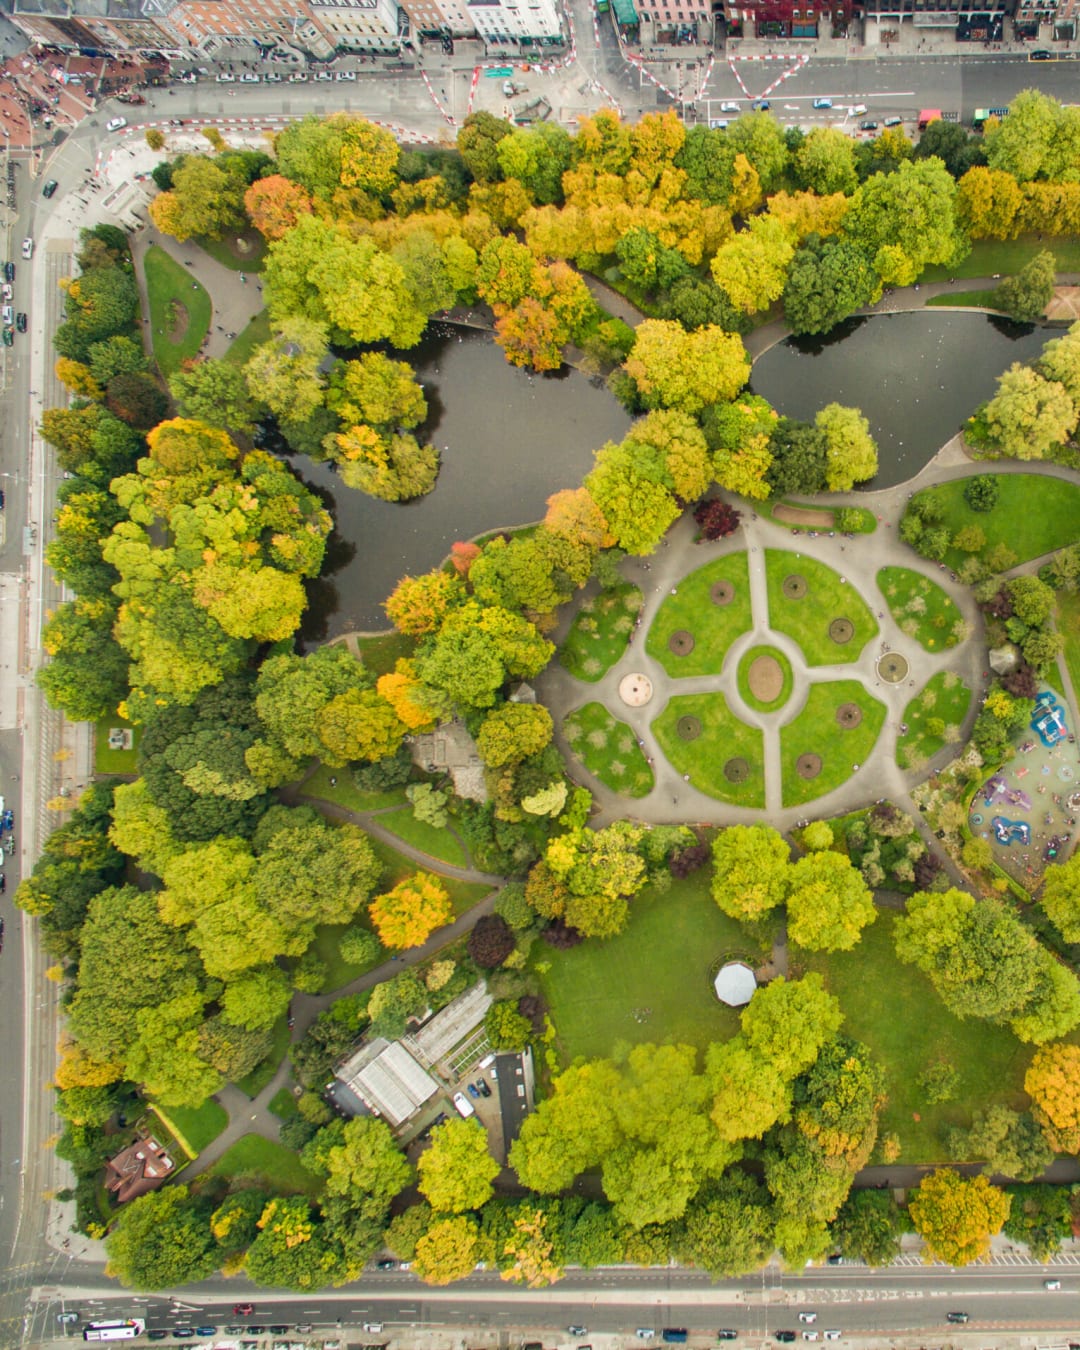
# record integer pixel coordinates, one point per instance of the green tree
(362, 1164)
(205, 199)
(290, 1251)
(905, 220)
(728, 1229)
(752, 266)
(648, 263)
(826, 282)
(825, 162)
(675, 369)
(829, 903)
(506, 1028)
(868, 1228)
(216, 393)
(256, 998)
(760, 138)
(1029, 414)
(1060, 897)
(513, 732)
(448, 1251)
(957, 1216)
(478, 141)
(850, 450)
(1010, 1143)
(750, 870)
(1025, 296)
(457, 1170)
(751, 1094)
(787, 1023)
(162, 1240)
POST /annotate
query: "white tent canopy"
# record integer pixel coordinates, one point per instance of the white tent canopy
(735, 984)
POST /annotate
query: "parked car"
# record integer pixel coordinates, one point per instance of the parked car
(273, 78)
(298, 77)
(822, 103)
(463, 1105)
(811, 1335)
(226, 78)
(868, 126)
(481, 1083)
(808, 1317)
(322, 76)
(9, 337)
(183, 1333)
(116, 124)
(833, 1335)
(892, 122)
(1040, 54)
(157, 1334)
(20, 321)
(785, 1337)
(386, 1264)
(960, 1317)
(727, 1334)
(577, 1330)
(66, 1318)
(729, 105)
(49, 188)
(349, 75)
(474, 1092)
(206, 1331)
(27, 252)
(278, 1328)
(9, 271)
(7, 314)
(250, 79)
(7, 291)
(374, 1327)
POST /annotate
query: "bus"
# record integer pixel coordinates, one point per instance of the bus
(114, 1331)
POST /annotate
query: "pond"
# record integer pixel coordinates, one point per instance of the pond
(916, 376)
(509, 439)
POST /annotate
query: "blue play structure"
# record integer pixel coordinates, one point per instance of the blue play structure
(1009, 831)
(1049, 719)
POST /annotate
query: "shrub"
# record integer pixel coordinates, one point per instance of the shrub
(981, 492)
(491, 941)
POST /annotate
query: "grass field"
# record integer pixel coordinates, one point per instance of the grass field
(664, 962)
(463, 894)
(381, 651)
(609, 750)
(340, 971)
(257, 1159)
(922, 609)
(254, 1082)
(965, 300)
(894, 1010)
(744, 679)
(1033, 515)
(249, 261)
(178, 305)
(344, 791)
(691, 609)
(194, 1126)
(282, 1104)
(944, 696)
(108, 760)
(806, 620)
(441, 845)
(723, 737)
(257, 331)
(817, 731)
(1007, 256)
(1068, 622)
(600, 632)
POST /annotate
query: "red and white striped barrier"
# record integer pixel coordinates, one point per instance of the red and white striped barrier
(445, 115)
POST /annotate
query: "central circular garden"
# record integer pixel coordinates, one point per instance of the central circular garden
(765, 679)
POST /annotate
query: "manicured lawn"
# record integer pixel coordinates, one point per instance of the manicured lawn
(1007, 256)
(439, 844)
(1068, 622)
(195, 1126)
(922, 609)
(381, 651)
(257, 332)
(660, 967)
(806, 619)
(609, 750)
(600, 631)
(723, 737)
(224, 250)
(107, 760)
(744, 679)
(1033, 515)
(283, 1104)
(341, 972)
(944, 696)
(894, 1010)
(344, 791)
(255, 1158)
(965, 299)
(254, 1082)
(463, 894)
(816, 731)
(713, 627)
(180, 310)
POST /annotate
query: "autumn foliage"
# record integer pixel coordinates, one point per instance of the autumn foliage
(407, 915)
(1053, 1083)
(275, 205)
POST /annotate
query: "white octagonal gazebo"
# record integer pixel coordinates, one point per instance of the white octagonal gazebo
(735, 984)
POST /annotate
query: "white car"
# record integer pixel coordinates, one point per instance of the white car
(808, 1317)
(116, 124)
(250, 79)
(1051, 1284)
(374, 1327)
(226, 78)
(464, 1106)
(7, 314)
(810, 1335)
(349, 75)
(322, 76)
(28, 248)
(298, 77)
(729, 105)
(273, 78)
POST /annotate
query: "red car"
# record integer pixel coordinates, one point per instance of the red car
(243, 1309)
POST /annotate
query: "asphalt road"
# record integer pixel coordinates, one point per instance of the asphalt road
(900, 1301)
(856, 1299)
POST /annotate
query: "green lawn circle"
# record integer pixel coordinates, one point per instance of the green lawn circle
(748, 659)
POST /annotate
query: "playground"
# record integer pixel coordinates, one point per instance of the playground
(1027, 811)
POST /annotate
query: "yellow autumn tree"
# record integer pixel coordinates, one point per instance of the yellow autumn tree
(1053, 1083)
(956, 1216)
(407, 915)
(77, 378)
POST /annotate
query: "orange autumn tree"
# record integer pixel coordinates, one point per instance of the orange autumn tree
(1053, 1083)
(275, 205)
(410, 913)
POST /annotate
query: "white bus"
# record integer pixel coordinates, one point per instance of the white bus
(114, 1331)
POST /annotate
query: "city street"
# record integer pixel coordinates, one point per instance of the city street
(40, 757)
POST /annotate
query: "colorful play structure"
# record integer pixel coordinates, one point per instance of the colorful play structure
(1049, 719)
(998, 787)
(1011, 831)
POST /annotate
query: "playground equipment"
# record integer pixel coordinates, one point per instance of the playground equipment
(998, 787)
(1049, 719)
(1011, 831)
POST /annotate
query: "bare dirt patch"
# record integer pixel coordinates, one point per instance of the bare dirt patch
(722, 593)
(808, 766)
(681, 642)
(849, 715)
(803, 515)
(765, 678)
(841, 631)
(737, 770)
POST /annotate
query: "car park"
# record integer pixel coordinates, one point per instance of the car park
(49, 188)
(20, 321)
(27, 252)
(116, 124)
(823, 103)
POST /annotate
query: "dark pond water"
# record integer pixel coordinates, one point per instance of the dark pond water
(509, 439)
(917, 377)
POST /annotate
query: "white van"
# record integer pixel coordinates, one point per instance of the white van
(464, 1106)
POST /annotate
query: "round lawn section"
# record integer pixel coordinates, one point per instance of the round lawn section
(809, 617)
(600, 632)
(609, 750)
(723, 740)
(765, 679)
(693, 610)
(921, 608)
(933, 719)
(820, 738)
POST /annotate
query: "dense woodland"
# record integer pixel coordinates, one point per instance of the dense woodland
(182, 908)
